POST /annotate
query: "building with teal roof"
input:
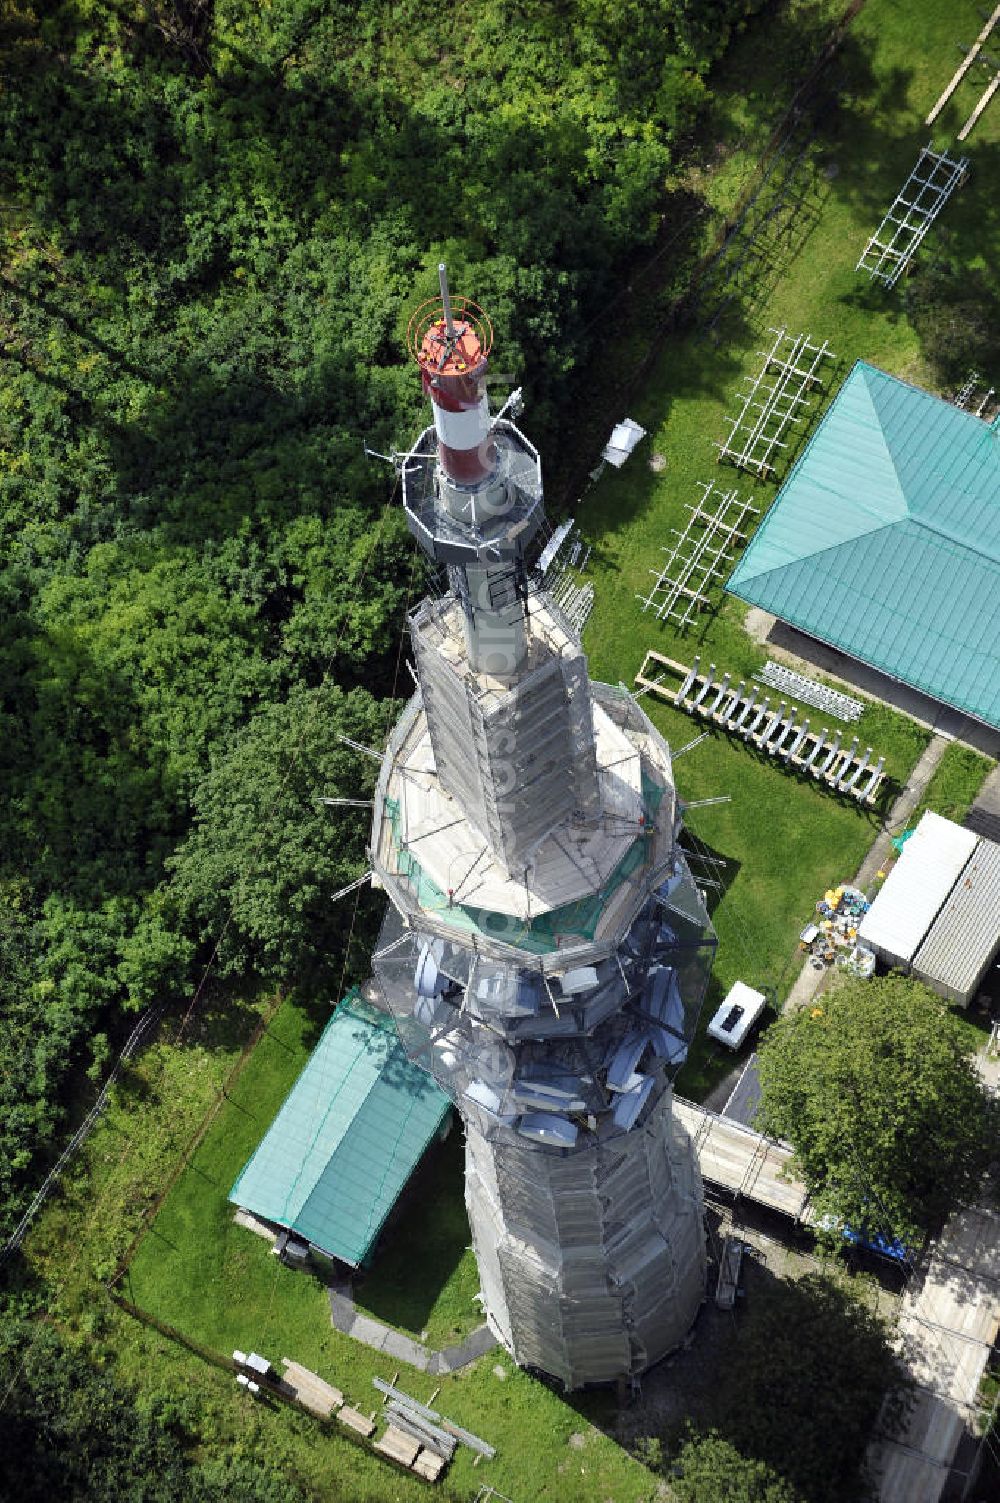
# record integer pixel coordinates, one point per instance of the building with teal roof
(348, 1136)
(884, 541)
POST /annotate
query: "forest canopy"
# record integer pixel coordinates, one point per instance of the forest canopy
(216, 220)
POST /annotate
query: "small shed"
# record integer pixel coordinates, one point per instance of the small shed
(347, 1138)
(916, 889)
(964, 937)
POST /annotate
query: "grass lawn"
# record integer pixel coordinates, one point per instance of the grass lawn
(783, 839)
(220, 1286)
(199, 1271)
(952, 790)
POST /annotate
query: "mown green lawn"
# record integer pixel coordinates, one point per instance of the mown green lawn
(200, 1271)
(952, 790)
(219, 1285)
(783, 839)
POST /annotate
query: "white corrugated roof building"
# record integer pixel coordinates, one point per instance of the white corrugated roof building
(963, 938)
(916, 888)
(938, 914)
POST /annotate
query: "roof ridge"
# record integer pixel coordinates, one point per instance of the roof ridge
(967, 544)
(819, 552)
(887, 445)
(986, 446)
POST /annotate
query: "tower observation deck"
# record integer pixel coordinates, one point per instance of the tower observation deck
(546, 951)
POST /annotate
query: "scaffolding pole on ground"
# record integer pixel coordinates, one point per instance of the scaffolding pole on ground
(962, 70)
(770, 408)
(914, 209)
(987, 95)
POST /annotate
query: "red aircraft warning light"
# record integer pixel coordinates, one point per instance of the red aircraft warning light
(451, 343)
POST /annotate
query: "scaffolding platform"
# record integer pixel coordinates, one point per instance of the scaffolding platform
(914, 209)
(771, 406)
(700, 555)
(743, 1162)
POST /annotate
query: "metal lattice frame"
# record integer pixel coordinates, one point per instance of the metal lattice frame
(576, 601)
(695, 560)
(535, 734)
(915, 208)
(809, 692)
(769, 409)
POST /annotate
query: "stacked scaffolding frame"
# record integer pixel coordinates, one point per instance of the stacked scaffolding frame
(914, 209)
(697, 558)
(809, 692)
(490, 737)
(769, 409)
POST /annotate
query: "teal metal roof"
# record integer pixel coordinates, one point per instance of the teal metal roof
(885, 541)
(350, 1133)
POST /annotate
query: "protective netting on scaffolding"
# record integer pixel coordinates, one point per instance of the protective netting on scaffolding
(544, 932)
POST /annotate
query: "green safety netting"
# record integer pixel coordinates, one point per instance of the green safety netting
(541, 934)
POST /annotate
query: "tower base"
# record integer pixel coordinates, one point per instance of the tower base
(592, 1262)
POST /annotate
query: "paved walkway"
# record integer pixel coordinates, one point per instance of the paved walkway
(348, 1320)
(811, 981)
(948, 1321)
(984, 816)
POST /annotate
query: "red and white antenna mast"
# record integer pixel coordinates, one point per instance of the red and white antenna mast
(452, 348)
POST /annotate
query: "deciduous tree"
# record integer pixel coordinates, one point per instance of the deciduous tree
(875, 1090)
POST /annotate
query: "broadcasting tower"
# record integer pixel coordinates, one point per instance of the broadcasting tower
(547, 951)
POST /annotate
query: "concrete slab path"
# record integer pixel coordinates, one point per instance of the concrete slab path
(349, 1321)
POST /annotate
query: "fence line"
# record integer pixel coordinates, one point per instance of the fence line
(195, 1142)
(151, 1016)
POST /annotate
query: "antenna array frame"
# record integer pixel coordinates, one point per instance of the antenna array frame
(700, 558)
(914, 209)
(769, 410)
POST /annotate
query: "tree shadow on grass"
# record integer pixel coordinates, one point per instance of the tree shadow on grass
(415, 1267)
(800, 1360)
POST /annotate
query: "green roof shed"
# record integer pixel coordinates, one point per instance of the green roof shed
(884, 541)
(347, 1138)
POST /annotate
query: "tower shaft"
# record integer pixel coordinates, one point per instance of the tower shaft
(546, 952)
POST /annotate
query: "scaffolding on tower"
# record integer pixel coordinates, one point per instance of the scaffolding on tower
(546, 950)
